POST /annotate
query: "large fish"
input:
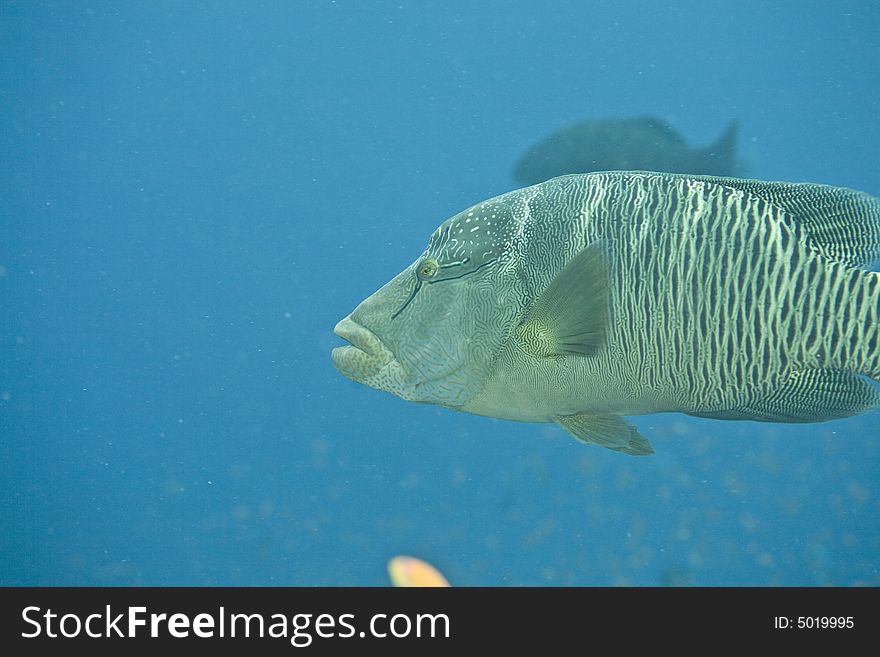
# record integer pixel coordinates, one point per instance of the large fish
(591, 297)
(646, 143)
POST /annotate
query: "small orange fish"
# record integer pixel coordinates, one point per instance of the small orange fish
(409, 571)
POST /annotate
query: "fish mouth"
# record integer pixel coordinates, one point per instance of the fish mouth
(364, 356)
(358, 337)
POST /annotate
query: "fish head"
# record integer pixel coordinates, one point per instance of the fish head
(432, 333)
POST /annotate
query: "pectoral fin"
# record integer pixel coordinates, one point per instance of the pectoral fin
(610, 431)
(571, 315)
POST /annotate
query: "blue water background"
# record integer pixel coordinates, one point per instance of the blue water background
(193, 194)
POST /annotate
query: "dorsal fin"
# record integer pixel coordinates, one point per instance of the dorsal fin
(842, 224)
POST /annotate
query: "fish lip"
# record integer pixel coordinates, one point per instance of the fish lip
(359, 337)
(365, 357)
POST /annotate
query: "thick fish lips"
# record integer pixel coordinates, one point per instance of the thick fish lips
(366, 356)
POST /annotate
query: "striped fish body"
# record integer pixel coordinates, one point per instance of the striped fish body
(728, 299)
(591, 297)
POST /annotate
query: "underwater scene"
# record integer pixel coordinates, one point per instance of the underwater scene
(293, 293)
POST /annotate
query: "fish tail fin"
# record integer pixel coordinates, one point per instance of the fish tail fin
(720, 157)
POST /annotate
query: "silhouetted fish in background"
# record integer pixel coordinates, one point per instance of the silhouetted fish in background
(640, 144)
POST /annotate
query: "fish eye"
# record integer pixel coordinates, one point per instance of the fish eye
(428, 269)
